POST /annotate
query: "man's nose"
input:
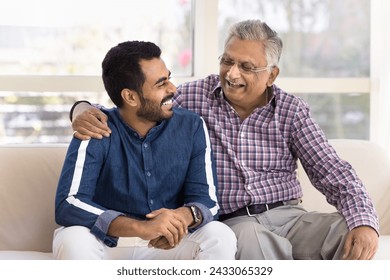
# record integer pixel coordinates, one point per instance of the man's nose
(234, 71)
(172, 88)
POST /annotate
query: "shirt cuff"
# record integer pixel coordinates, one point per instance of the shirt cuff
(206, 214)
(366, 219)
(74, 106)
(100, 228)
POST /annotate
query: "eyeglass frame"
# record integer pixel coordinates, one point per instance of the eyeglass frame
(253, 69)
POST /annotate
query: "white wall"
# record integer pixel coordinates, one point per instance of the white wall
(380, 73)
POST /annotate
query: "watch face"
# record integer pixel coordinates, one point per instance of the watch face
(195, 213)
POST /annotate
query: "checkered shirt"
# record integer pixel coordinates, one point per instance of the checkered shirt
(257, 157)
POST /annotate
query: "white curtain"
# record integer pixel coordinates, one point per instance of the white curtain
(380, 73)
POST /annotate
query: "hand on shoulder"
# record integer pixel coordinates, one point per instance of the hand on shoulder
(89, 122)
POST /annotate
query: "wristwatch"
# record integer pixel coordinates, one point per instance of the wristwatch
(196, 214)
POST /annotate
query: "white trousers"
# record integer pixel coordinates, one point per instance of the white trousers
(214, 241)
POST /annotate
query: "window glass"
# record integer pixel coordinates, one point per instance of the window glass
(341, 115)
(40, 117)
(322, 38)
(71, 37)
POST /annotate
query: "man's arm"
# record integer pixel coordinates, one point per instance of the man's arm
(74, 203)
(200, 185)
(88, 121)
(338, 181)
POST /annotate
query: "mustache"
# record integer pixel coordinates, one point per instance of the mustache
(231, 82)
(167, 98)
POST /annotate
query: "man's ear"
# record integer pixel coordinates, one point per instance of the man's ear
(130, 97)
(274, 73)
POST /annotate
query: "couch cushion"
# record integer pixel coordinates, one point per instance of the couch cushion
(25, 255)
(383, 252)
(29, 176)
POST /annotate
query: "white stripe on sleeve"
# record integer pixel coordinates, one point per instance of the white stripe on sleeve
(74, 188)
(209, 171)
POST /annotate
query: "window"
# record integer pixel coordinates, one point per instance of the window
(47, 42)
(50, 55)
(70, 37)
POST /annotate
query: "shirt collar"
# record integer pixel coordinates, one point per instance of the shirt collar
(217, 90)
(153, 132)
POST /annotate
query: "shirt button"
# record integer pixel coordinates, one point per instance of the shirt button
(148, 174)
(249, 187)
(242, 135)
(151, 201)
(145, 145)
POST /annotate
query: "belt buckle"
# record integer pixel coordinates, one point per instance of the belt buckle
(248, 212)
(251, 215)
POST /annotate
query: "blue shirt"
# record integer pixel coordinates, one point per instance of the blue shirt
(125, 174)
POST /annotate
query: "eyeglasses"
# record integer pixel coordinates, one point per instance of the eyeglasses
(244, 67)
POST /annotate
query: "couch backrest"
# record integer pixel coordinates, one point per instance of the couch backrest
(29, 176)
(372, 164)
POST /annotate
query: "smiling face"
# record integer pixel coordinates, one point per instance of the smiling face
(244, 90)
(157, 91)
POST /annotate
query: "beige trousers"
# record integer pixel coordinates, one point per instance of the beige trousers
(289, 232)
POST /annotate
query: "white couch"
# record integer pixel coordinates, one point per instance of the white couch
(29, 177)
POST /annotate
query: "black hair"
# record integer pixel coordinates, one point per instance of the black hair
(121, 67)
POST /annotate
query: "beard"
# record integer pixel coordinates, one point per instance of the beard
(151, 111)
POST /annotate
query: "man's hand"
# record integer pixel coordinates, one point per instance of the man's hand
(160, 243)
(88, 122)
(164, 228)
(361, 244)
(181, 217)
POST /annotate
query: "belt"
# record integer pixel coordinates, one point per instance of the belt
(257, 209)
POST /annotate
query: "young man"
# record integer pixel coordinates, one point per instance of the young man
(258, 133)
(153, 179)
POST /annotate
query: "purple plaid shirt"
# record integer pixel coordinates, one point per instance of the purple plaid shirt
(257, 158)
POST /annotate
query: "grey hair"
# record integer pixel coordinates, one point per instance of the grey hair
(259, 31)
